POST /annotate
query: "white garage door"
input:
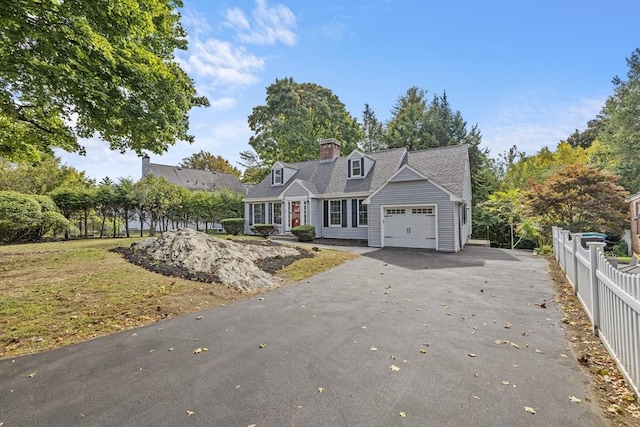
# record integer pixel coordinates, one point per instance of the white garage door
(410, 227)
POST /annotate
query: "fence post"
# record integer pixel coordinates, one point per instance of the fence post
(594, 252)
(564, 237)
(575, 242)
(554, 240)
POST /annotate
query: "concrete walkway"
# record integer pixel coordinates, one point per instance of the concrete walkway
(395, 337)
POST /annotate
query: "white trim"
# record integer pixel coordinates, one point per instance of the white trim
(358, 204)
(360, 161)
(261, 199)
(407, 205)
(360, 195)
(329, 213)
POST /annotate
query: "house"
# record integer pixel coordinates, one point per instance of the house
(634, 211)
(417, 199)
(193, 179)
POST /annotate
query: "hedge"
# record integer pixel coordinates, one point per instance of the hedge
(304, 233)
(233, 226)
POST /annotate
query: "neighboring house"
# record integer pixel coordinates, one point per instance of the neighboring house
(634, 211)
(193, 179)
(418, 199)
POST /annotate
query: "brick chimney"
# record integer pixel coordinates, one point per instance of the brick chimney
(329, 149)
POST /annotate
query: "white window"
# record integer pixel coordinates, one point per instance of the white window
(277, 176)
(335, 213)
(422, 211)
(395, 212)
(363, 217)
(277, 213)
(258, 213)
(356, 167)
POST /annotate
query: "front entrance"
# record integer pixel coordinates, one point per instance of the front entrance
(295, 214)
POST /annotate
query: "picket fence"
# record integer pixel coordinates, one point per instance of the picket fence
(610, 298)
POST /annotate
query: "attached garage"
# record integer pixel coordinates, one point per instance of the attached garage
(410, 226)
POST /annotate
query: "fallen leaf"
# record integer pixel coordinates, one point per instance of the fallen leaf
(394, 368)
(505, 382)
(423, 351)
(529, 409)
(539, 351)
(197, 350)
(471, 354)
(190, 413)
(170, 348)
(31, 375)
(262, 345)
(507, 325)
(252, 425)
(402, 415)
(476, 397)
(320, 389)
(514, 345)
(574, 399)
(199, 318)
(374, 349)
(564, 355)
(614, 408)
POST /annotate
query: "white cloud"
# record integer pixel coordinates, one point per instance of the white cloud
(225, 103)
(532, 121)
(270, 24)
(197, 24)
(335, 29)
(224, 63)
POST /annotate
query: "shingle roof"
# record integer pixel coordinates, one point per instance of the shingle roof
(196, 179)
(445, 166)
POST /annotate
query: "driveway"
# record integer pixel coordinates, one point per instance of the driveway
(395, 337)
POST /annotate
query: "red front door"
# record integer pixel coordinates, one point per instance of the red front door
(295, 214)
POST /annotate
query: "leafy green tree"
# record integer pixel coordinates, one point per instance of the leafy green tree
(20, 215)
(255, 169)
(621, 130)
(75, 202)
(125, 201)
(77, 68)
(406, 127)
(295, 116)
(206, 161)
(155, 197)
(585, 138)
(40, 177)
(373, 131)
(510, 209)
(580, 197)
(106, 203)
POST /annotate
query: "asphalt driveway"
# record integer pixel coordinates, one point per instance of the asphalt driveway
(395, 337)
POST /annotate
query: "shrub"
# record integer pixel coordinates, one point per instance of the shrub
(233, 226)
(544, 250)
(620, 249)
(304, 233)
(19, 215)
(264, 230)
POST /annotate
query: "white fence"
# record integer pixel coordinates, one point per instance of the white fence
(610, 298)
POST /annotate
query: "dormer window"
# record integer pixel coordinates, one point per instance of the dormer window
(356, 168)
(276, 176)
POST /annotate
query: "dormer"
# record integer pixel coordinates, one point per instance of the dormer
(281, 173)
(358, 165)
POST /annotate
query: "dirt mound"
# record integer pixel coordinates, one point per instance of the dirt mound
(192, 254)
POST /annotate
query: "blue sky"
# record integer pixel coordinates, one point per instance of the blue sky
(527, 72)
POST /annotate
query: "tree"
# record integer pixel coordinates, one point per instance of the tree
(77, 68)
(580, 198)
(295, 116)
(20, 214)
(254, 169)
(154, 199)
(40, 177)
(373, 131)
(621, 130)
(406, 127)
(125, 201)
(207, 161)
(585, 138)
(511, 209)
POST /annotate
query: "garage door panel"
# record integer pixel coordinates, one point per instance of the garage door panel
(410, 227)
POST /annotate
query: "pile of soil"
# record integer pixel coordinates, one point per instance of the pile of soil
(193, 255)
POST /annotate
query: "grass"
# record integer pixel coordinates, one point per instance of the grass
(60, 293)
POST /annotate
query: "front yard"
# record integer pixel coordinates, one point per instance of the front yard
(55, 294)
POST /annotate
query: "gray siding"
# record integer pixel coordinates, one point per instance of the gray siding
(348, 232)
(407, 175)
(415, 192)
(296, 190)
(315, 210)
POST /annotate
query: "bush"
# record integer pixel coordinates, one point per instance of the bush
(264, 230)
(620, 249)
(544, 250)
(233, 226)
(304, 233)
(20, 214)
